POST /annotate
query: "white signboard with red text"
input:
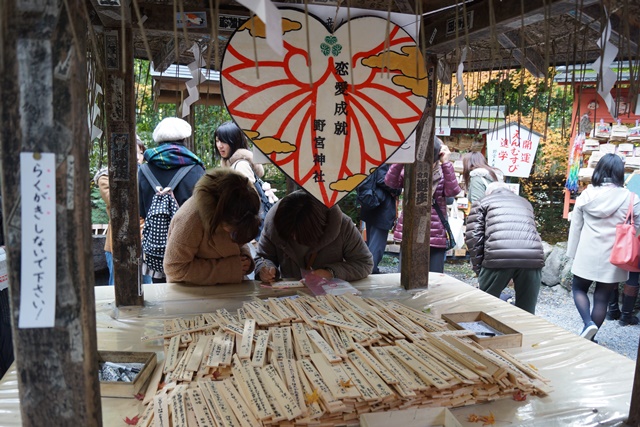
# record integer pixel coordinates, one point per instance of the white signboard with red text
(512, 149)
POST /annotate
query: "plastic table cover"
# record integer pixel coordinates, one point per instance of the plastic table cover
(592, 385)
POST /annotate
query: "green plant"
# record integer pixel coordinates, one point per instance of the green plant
(98, 207)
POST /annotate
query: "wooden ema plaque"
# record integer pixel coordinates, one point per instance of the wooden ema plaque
(336, 359)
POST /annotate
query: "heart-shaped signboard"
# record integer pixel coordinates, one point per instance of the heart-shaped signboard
(328, 114)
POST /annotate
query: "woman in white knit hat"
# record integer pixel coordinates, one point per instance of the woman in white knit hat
(164, 162)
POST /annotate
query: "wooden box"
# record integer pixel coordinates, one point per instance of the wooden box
(460, 252)
(410, 418)
(491, 333)
(121, 388)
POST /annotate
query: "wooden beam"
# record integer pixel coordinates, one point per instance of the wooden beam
(160, 18)
(171, 97)
(123, 171)
(441, 31)
(168, 55)
(405, 6)
(44, 109)
(529, 58)
(111, 16)
(417, 199)
(173, 84)
(591, 16)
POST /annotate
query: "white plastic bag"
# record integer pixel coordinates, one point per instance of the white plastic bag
(4, 272)
(457, 226)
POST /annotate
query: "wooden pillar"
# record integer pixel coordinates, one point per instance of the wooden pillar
(43, 108)
(634, 409)
(291, 186)
(416, 206)
(190, 143)
(123, 167)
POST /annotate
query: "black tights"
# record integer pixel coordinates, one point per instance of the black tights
(580, 287)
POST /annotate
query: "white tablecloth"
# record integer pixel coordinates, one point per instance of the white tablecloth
(592, 385)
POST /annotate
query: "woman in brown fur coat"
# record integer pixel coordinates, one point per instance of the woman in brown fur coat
(208, 236)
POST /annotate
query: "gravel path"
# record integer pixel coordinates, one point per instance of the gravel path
(555, 304)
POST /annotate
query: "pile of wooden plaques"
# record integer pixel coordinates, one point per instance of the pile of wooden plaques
(305, 361)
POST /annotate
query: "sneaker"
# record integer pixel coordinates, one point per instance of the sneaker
(628, 319)
(589, 330)
(613, 314)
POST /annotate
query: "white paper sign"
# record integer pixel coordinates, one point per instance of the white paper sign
(512, 149)
(38, 268)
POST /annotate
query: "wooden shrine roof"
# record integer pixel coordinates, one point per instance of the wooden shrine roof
(557, 32)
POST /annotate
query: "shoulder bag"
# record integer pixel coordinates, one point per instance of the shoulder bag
(451, 241)
(626, 248)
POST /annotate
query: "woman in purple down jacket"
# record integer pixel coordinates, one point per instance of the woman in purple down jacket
(445, 185)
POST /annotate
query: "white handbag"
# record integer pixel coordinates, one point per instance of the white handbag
(457, 226)
(4, 272)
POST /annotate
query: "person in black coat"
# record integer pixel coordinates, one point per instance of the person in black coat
(379, 220)
(6, 343)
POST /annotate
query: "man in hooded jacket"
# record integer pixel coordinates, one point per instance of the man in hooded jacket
(504, 244)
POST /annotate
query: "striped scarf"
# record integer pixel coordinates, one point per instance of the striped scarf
(171, 156)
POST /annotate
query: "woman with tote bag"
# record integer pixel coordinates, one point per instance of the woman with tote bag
(599, 208)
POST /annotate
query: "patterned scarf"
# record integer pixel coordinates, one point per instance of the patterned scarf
(171, 156)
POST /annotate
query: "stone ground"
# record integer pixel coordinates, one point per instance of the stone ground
(555, 304)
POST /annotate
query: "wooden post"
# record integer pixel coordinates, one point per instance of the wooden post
(43, 101)
(634, 408)
(416, 206)
(123, 168)
(291, 186)
(190, 143)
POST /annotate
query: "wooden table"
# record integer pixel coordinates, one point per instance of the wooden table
(592, 385)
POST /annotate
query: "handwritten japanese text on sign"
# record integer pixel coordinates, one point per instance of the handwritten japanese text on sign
(512, 149)
(38, 268)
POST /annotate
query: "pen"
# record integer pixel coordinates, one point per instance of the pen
(485, 334)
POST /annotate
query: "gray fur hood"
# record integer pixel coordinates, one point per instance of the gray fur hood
(243, 154)
(484, 173)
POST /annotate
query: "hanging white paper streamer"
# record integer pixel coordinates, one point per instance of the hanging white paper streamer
(192, 85)
(460, 100)
(608, 77)
(272, 18)
(96, 132)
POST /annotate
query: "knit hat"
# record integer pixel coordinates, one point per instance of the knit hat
(171, 129)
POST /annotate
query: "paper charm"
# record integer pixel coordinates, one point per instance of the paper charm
(330, 115)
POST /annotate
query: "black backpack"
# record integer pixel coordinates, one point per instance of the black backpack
(265, 204)
(156, 225)
(369, 195)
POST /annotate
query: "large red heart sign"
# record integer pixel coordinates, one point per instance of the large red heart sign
(335, 106)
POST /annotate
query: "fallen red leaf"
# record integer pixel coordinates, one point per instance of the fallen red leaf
(132, 421)
(519, 396)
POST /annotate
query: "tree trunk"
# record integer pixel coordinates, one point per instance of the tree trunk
(416, 223)
(43, 102)
(634, 409)
(123, 168)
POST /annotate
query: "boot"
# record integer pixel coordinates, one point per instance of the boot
(613, 311)
(628, 301)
